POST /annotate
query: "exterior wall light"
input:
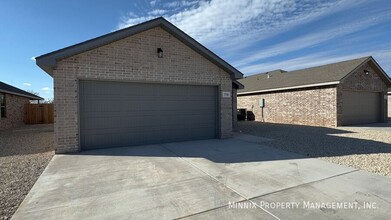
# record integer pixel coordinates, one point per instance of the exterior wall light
(159, 52)
(366, 72)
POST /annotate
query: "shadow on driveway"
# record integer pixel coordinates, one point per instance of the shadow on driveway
(216, 150)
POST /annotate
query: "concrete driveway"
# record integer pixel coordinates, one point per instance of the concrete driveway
(211, 179)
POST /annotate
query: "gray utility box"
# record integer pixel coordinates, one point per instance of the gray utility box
(261, 103)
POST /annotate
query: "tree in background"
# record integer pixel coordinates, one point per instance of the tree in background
(33, 92)
(46, 101)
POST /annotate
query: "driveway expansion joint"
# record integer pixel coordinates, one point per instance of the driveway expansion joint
(304, 184)
(216, 179)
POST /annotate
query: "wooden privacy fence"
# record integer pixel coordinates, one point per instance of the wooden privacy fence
(39, 114)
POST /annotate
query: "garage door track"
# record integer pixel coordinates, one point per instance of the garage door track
(210, 179)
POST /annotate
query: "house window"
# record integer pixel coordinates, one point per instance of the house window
(2, 105)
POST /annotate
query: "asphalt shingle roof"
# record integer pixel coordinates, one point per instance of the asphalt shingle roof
(315, 75)
(5, 88)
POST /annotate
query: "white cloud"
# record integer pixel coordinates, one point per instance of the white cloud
(153, 2)
(32, 58)
(157, 12)
(317, 59)
(229, 22)
(47, 89)
(27, 84)
(312, 39)
(232, 25)
(179, 4)
(130, 20)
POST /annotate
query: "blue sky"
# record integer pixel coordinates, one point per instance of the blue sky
(254, 36)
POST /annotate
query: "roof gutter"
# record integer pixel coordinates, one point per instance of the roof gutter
(290, 88)
(18, 94)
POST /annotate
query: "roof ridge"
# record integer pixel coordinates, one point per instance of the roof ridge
(307, 68)
(327, 64)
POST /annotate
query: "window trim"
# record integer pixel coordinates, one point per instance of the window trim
(3, 106)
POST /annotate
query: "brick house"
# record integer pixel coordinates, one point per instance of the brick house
(389, 104)
(146, 84)
(12, 101)
(344, 93)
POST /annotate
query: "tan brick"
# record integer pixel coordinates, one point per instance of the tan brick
(133, 59)
(14, 111)
(316, 107)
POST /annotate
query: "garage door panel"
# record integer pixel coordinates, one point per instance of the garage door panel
(114, 114)
(114, 140)
(131, 130)
(97, 115)
(138, 138)
(360, 107)
(104, 122)
(100, 89)
(137, 129)
(196, 119)
(96, 106)
(118, 122)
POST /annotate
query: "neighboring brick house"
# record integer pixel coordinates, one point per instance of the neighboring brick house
(236, 85)
(146, 84)
(344, 93)
(389, 104)
(12, 101)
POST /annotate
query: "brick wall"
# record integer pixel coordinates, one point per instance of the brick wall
(316, 106)
(14, 111)
(133, 59)
(359, 81)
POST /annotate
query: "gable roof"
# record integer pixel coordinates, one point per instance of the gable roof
(48, 61)
(330, 74)
(5, 88)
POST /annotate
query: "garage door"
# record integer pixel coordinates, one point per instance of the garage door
(114, 114)
(361, 107)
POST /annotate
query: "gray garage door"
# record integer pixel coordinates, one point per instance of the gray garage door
(361, 107)
(114, 114)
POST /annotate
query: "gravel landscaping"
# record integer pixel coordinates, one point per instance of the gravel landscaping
(24, 154)
(366, 149)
